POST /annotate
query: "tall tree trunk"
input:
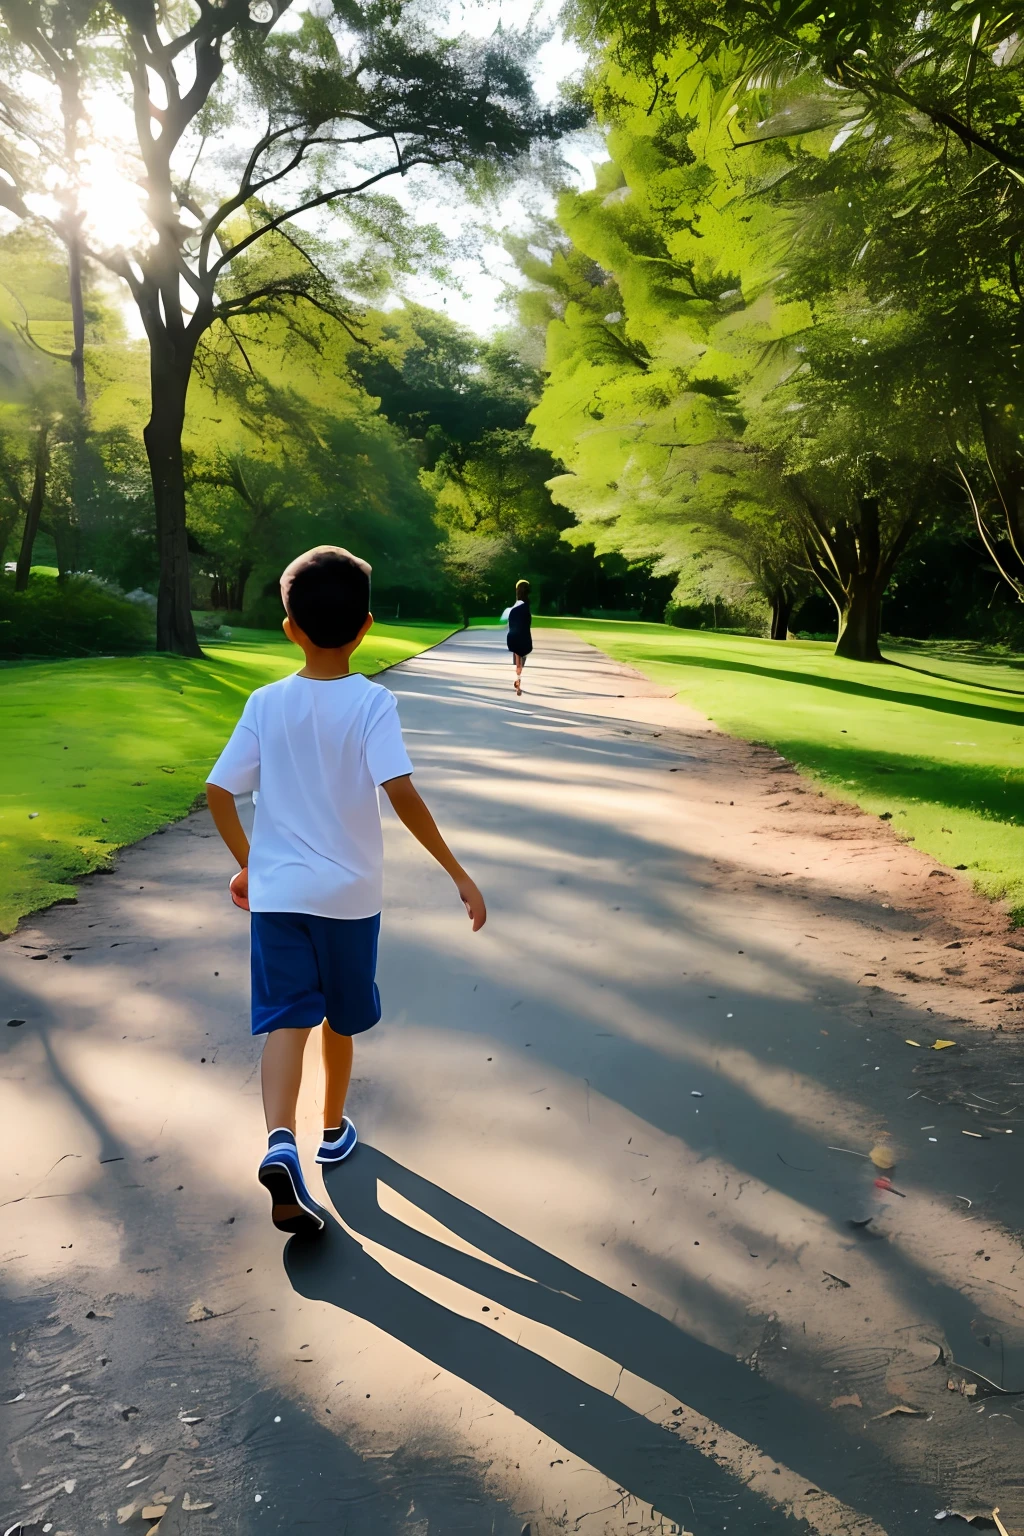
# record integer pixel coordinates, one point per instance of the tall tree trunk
(782, 612)
(170, 369)
(7, 522)
(861, 617)
(65, 538)
(34, 510)
(236, 591)
(74, 249)
(853, 557)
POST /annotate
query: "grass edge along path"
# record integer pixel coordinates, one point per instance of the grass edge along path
(939, 756)
(100, 752)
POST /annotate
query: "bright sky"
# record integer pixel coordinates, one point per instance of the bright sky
(113, 198)
(483, 280)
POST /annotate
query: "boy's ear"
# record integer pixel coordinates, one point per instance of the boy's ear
(365, 630)
(291, 630)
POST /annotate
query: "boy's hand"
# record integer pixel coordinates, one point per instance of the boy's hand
(473, 901)
(239, 889)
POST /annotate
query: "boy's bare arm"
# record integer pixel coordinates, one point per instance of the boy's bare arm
(226, 820)
(413, 813)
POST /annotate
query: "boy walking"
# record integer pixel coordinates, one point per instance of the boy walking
(317, 746)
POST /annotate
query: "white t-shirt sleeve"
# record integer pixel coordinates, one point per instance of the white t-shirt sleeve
(386, 756)
(238, 768)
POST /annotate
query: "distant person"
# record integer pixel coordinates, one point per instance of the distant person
(519, 638)
(317, 746)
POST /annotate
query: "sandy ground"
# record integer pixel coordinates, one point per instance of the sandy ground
(611, 1257)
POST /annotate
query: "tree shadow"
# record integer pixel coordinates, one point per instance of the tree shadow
(849, 685)
(987, 792)
(654, 1463)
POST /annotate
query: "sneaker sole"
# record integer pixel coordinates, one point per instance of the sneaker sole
(339, 1157)
(277, 1179)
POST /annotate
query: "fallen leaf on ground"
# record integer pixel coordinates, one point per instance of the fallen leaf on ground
(851, 1401)
(125, 1513)
(1000, 1527)
(198, 1312)
(188, 1503)
(942, 1045)
(126, 1464)
(882, 1157)
(154, 1511)
(915, 1413)
(913, 1042)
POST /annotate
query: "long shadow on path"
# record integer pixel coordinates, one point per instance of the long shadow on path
(639, 1455)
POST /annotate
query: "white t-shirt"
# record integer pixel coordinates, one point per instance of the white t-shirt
(316, 752)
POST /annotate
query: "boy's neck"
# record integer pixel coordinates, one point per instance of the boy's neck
(324, 666)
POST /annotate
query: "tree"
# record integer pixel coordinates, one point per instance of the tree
(38, 412)
(337, 104)
(902, 131)
(888, 63)
(464, 402)
(38, 149)
(287, 450)
(38, 396)
(663, 330)
(762, 346)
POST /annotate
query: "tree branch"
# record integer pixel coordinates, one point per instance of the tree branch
(315, 202)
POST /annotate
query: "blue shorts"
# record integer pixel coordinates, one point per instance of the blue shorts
(306, 969)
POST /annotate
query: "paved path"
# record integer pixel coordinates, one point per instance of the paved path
(595, 1265)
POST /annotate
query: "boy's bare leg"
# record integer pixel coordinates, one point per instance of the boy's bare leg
(281, 1076)
(337, 1052)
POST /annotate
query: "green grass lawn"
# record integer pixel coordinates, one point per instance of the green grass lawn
(936, 740)
(108, 748)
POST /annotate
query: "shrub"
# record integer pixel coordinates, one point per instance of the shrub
(214, 621)
(79, 617)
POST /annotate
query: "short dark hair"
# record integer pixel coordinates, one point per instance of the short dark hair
(326, 592)
(523, 590)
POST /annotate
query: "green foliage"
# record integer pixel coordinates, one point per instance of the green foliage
(664, 333)
(286, 450)
(776, 332)
(464, 402)
(888, 139)
(952, 71)
(437, 381)
(74, 618)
